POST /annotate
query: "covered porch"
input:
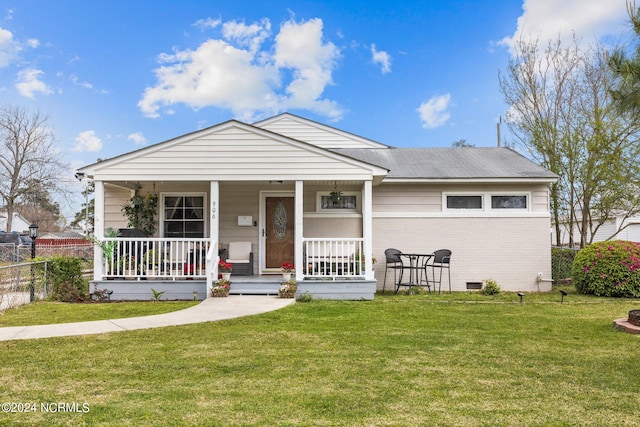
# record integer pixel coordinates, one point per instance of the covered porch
(284, 222)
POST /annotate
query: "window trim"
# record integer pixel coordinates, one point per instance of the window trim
(205, 215)
(358, 208)
(487, 202)
(527, 199)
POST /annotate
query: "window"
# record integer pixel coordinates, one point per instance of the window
(464, 202)
(349, 201)
(345, 202)
(183, 216)
(508, 202)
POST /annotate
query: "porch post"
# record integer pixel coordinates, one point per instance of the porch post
(98, 228)
(298, 231)
(367, 229)
(214, 232)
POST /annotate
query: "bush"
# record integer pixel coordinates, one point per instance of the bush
(608, 269)
(64, 278)
(490, 287)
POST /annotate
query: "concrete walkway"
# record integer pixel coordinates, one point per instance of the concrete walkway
(209, 310)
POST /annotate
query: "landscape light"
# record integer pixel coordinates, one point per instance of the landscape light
(520, 294)
(564, 294)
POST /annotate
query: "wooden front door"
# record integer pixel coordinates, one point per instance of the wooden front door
(279, 231)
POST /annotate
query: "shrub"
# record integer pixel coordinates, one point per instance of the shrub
(608, 269)
(64, 278)
(490, 287)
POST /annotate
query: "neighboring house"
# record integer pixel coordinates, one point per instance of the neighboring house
(61, 235)
(18, 224)
(311, 194)
(618, 228)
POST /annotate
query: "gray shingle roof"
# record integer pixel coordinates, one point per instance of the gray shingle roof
(451, 163)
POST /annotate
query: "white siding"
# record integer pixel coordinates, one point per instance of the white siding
(427, 198)
(511, 251)
(509, 247)
(114, 199)
(316, 134)
(233, 153)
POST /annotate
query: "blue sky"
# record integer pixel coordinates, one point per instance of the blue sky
(116, 75)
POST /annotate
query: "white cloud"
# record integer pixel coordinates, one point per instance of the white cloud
(248, 76)
(87, 141)
(204, 24)
(9, 48)
(137, 138)
(76, 81)
(29, 83)
(251, 36)
(547, 20)
(300, 50)
(381, 57)
(433, 113)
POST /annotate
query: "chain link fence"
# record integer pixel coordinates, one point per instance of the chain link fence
(22, 283)
(561, 264)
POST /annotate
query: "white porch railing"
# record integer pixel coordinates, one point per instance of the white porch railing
(333, 258)
(160, 258)
(172, 259)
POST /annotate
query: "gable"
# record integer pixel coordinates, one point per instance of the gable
(315, 133)
(231, 151)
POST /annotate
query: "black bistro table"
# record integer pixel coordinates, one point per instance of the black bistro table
(416, 267)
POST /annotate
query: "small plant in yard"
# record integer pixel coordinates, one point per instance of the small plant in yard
(305, 297)
(288, 289)
(608, 269)
(490, 287)
(221, 288)
(101, 295)
(156, 294)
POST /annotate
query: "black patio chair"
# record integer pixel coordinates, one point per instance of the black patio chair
(440, 260)
(393, 261)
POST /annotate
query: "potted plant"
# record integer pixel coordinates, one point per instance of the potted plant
(140, 212)
(288, 289)
(287, 268)
(360, 259)
(221, 288)
(152, 262)
(224, 268)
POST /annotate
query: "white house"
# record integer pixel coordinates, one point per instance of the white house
(616, 228)
(18, 224)
(303, 192)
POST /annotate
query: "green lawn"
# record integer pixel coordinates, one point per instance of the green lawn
(398, 360)
(42, 313)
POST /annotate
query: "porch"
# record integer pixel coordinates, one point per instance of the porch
(135, 268)
(180, 289)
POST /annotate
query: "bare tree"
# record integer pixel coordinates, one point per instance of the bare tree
(29, 160)
(562, 114)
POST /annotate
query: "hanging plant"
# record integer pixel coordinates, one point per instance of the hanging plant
(336, 195)
(141, 212)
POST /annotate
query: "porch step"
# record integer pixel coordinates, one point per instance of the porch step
(255, 285)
